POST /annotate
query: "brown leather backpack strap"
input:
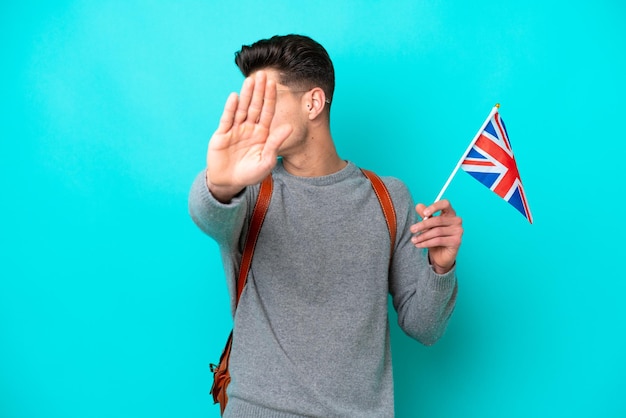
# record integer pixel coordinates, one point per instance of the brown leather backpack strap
(221, 374)
(385, 203)
(256, 221)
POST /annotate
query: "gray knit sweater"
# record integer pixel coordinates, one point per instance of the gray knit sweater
(311, 333)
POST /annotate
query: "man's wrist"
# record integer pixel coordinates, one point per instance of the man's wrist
(223, 194)
(440, 269)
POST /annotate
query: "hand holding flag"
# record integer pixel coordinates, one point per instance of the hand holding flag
(489, 159)
(440, 234)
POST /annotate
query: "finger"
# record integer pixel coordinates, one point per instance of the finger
(244, 100)
(449, 236)
(256, 103)
(269, 104)
(228, 116)
(429, 223)
(419, 208)
(452, 243)
(442, 206)
(415, 228)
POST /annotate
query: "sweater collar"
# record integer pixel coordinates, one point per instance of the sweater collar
(329, 179)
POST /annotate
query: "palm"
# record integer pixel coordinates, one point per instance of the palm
(236, 155)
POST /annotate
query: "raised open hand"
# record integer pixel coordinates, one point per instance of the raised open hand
(243, 149)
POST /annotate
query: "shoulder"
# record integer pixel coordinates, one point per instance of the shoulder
(399, 191)
(402, 202)
(395, 185)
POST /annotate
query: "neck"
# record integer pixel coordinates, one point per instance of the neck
(318, 158)
(313, 168)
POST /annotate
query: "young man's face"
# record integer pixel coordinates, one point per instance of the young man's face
(290, 109)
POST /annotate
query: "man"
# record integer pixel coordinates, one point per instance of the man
(311, 334)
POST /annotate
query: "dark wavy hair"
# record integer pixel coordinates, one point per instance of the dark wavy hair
(301, 62)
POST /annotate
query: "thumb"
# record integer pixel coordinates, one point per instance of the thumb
(275, 139)
(419, 208)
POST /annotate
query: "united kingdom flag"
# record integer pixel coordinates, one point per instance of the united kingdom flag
(491, 162)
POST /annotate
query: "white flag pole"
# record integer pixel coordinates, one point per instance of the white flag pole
(458, 165)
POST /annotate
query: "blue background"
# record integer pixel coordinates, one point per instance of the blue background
(112, 303)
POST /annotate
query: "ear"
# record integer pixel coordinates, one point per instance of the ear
(315, 102)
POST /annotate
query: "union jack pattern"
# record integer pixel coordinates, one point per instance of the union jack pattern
(491, 162)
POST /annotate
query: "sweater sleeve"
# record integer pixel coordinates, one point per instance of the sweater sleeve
(222, 222)
(423, 299)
